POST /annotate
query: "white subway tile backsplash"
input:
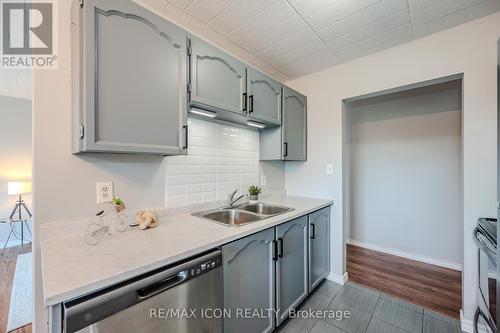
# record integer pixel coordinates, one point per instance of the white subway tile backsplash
(176, 180)
(193, 188)
(220, 159)
(208, 196)
(176, 200)
(176, 190)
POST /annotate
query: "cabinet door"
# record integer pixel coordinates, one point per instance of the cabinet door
(294, 125)
(248, 270)
(218, 81)
(133, 69)
(264, 98)
(319, 246)
(291, 267)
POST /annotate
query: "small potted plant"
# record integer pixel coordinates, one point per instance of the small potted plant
(119, 204)
(254, 192)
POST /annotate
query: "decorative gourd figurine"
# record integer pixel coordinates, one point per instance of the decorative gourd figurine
(146, 219)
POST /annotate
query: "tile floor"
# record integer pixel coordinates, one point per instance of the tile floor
(370, 312)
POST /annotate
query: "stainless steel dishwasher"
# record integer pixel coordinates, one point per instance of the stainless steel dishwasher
(185, 298)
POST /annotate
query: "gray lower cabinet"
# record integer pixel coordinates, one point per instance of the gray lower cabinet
(274, 270)
(319, 246)
(291, 266)
(217, 80)
(294, 125)
(249, 275)
(129, 79)
(264, 98)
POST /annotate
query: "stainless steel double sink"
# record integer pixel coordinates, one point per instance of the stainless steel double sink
(242, 214)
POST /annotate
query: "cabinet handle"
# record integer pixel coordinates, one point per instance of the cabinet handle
(185, 128)
(244, 101)
(275, 250)
(250, 104)
(280, 252)
(313, 231)
(285, 154)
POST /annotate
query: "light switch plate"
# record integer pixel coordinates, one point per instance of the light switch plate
(329, 169)
(104, 192)
(263, 180)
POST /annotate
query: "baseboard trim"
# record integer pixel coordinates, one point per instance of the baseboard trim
(468, 325)
(407, 255)
(340, 279)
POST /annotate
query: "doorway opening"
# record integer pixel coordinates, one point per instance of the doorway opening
(403, 193)
(16, 262)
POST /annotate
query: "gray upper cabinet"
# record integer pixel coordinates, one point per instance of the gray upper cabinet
(248, 274)
(217, 80)
(288, 142)
(319, 246)
(291, 267)
(129, 80)
(264, 98)
(294, 125)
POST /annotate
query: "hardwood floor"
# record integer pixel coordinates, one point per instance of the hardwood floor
(7, 270)
(432, 287)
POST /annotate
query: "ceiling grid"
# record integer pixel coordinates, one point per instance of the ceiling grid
(291, 38)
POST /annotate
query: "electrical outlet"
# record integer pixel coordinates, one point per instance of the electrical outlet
(329, 169)
(104, 192)
(263, 180)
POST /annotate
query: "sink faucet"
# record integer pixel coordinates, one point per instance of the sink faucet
(231, 200)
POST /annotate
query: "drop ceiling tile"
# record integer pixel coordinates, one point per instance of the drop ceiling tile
(338, 11)
(261, 23)
(176, 15)
(442, 9)
(237, 14)
(158, 5)
(418, 5)
(278, 33)
(460, 17)
(302, 39)
(181, 4)
(299, 53)
(377, 48)
(310, 64)
(307, 8)
(388, 23)
(205, 32)
(280, 76)
(206, 10)
(236, 50)
(401, 33)
(371, 14)
(260, 65)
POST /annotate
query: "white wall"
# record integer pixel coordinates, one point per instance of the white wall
(405, 172)
(469, 49)
(15, 155)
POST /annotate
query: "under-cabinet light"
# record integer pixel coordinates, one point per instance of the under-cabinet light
(203, 113)
(254, 124)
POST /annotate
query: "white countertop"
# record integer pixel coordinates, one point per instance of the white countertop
(71, 268)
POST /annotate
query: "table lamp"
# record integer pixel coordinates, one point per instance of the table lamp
(19, 188)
